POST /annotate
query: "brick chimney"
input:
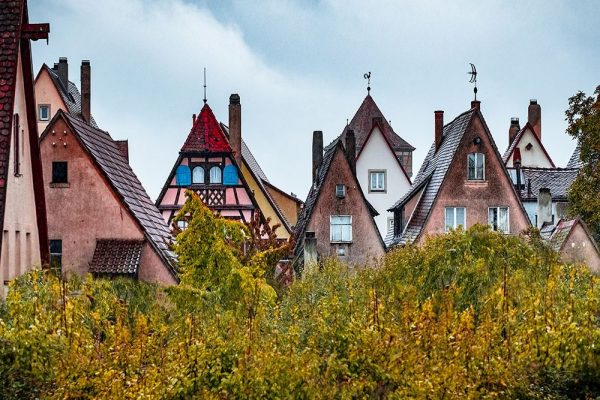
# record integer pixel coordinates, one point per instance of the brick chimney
(86, 90)
(123, 147)
(439, 128)
(317, 154)
(351, 150)
(535, 117)
(235, 127)
(62, 70)
(476, 104)
(544, 207)
(515, 127)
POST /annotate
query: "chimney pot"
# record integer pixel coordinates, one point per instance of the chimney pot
(317, 154)
(86, 90)
(439, 128)
(534, 112)
(351, 150)
(235, 127)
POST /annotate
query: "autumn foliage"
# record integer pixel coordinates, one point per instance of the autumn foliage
(470, 314)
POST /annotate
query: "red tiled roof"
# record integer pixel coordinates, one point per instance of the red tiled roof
(206, 134)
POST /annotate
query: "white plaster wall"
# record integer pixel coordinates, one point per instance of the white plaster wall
(377, 155)
(20, 247)
(530, 158)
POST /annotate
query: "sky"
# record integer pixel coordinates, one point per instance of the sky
(298, 66)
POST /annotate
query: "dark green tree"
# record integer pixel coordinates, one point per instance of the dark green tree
(583, 117)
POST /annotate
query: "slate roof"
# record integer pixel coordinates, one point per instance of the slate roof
(117, 257)
(362, 123)
(431, 175)
(105, 154)
(313, 195)
(10, 28)
(558, 180)
(557, 235)
(517, 139)
(575, 160)
(70, 96)
(206, 134)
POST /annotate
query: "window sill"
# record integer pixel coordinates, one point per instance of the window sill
(476, 183)
(340, 242)
(377, 191)
(60, 184)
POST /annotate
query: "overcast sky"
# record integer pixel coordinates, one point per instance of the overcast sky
(298, 66)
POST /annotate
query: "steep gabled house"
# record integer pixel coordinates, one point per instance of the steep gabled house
(337, 220)
(383, 161)
(528, 140)
(575, 160)
(462, 182)
(574, 242)
(23, 226)
(54, 91)
(100, 218)
(216, 164)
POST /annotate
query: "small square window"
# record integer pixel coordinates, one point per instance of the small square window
(455, 217)
(341, 251)
(44, 112)
(390, 224)
(182, 224)
(377, 181)
(60, 172)
(340, 191)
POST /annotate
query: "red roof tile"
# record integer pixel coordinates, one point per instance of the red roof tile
(206, 135)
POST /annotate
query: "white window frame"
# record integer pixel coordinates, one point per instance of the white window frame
(340, 191)
(490, 223)
(381, 181)
(476, 178)
(454, 222)
(40, 106)
(332, 227)
(213, 179)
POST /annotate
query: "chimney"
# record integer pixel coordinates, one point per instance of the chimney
(535, 117)
(310, 252)
(235, 127)
(544, 207)
(439, 128)
(86, 90)
(317, 154)
(515, 127)
(351, 150)
(517, 165)
(476, 104)
(62, 70)
(123, 147)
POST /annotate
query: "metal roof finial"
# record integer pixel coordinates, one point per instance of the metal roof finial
(473, 79)
(204, 85)
(367, 76)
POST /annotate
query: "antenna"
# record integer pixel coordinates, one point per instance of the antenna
(367, 76)
(204, 85)
(473, 79)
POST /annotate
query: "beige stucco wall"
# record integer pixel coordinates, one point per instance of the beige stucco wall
(534, 157)
(20, 244)
(46, 93)
(288, 206)
(377, 155)
(152, 268)
(578, 248)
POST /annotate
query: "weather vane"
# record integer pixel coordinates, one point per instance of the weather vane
(204, 86)
(367, 76)
(473, 79)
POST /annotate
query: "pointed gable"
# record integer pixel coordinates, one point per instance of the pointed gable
(206, 135)
(523, 141)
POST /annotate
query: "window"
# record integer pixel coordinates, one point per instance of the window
(198, 175)
(182, 224)
(56, 255)
(183, 176)
(60, 172)
(341, 251)
(215, 175)
(340, 228)
(455, 217)
(498, 219)
(376, 181)
(17, 145)
(476, 167)
(44, 112)
(390, 224)
(340, 191)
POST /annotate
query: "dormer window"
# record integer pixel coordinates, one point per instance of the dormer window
(215, 175)
(340, 191)
(198, 175)
(476, 167)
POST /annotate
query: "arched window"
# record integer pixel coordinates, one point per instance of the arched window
(182, 176)
(215, 175)
(198, 175)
